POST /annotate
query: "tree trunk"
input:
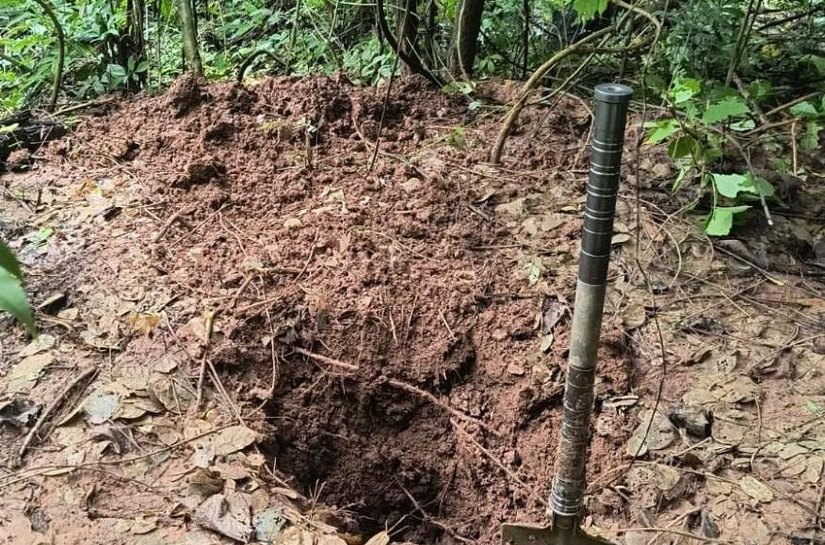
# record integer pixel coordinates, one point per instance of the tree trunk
(190, 38)
(465, 38)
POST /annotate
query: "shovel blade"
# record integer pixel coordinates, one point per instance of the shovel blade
(528, 534)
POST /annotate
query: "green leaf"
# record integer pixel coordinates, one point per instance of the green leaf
(681, 147)
(13, 300)
(725, 109)
(588, 9)
(720, 221)
(730, 185)
(759, 186)
(804, 109)
(9, 263)
(743, 125)
(684, 89)
(661, 130)
(810, 140)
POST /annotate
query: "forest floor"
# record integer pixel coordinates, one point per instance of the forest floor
(247, 335)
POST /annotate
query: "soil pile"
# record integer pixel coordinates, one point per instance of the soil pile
(407, 354)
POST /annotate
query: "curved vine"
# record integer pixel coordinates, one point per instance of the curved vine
(61, 52)
(413, 62)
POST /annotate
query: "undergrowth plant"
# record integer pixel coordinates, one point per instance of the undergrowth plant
(703, 139)
(698, 134)
(12, 295)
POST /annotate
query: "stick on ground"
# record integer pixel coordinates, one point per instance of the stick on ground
(53, 406)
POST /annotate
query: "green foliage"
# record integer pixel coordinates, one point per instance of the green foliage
(697, 136)
(12, 295)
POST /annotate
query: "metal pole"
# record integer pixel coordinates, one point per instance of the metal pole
(600, 209)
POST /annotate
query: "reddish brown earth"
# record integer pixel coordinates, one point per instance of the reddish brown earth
(380, 328)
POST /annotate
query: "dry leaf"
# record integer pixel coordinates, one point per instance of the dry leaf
(379, 539)
(813, 470)
(43, 342)
(233, 439)
(99, 407)
(633, 316)
(227, 515)
(756, 489)
(295, 536)
(660, 435)
(23, 375)
(717, 487)
(143, 322)
(268, 524)
(144, 525)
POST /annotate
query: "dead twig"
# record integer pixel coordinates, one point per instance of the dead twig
(499, 464)
(325, 359)
(430, 520)
(409, 388)
(40, 470)
(53, 406)
(169, 222)
(439, 403)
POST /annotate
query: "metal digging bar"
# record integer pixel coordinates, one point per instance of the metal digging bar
(600, 209)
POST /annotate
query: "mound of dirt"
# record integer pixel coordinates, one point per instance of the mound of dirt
(387, 321)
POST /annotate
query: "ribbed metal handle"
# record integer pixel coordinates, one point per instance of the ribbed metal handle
(600, 209)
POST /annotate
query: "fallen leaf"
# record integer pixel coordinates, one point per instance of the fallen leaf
(792, 450)
(99, 407)
(633, 316)
(201, 326)
(234, 471)
(204, 483)
(144, 525)
(233, 439)
(175, 396)
(73, 456)
(546, 342)
(813, 470)
(756, 489)
(382, 538)
(19, 412)
(268, 524)
(694, 420)
(226, 515)
(25, 374)
(143, 322)
(660, 476)
(794, 467)
(552, 316)
(292, 224)
(620, 238)
(330, 539)
(717, 487)
(660, 435)
(41, 343)
(621, 401)
(295, 536)
(514, 208)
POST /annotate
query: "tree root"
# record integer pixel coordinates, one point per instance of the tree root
(533, 83)
(251, 58)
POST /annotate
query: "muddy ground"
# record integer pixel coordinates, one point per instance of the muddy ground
(327, 351)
